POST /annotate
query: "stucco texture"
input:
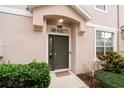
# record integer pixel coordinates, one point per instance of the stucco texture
(121, 23)
(22, 44)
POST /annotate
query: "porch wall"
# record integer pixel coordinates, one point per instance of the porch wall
(121, 42)
(73, 48)
(121, 23)
(85, 50)
(22, 44)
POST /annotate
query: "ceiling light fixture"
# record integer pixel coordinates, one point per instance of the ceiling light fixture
(60, 21)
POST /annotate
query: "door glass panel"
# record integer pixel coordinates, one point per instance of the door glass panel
(50, 54)
(50, 44)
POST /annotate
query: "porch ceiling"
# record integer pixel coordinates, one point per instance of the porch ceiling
(56, 18)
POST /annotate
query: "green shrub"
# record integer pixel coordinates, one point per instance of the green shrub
(35, 74)
(121, 53)
(110, 79)
(111, 61)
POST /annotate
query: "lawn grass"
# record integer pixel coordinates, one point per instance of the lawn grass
(110, 80)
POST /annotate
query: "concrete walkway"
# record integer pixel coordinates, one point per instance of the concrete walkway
(69, 81)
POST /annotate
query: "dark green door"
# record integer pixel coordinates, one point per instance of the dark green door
(58, 52)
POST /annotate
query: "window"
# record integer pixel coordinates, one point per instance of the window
(102, 8)
(104, 42)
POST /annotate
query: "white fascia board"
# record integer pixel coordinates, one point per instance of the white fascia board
(82, 11)
(15, 11)
(102, 27)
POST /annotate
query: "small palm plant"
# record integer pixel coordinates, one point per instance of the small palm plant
(111, 61)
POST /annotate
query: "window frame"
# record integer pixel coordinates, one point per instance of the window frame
(106, 29)
(101, 10)
(104, 46)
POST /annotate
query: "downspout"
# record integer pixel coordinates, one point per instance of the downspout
(118, 26)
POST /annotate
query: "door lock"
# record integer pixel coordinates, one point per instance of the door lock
(69, 52)
(50, 54)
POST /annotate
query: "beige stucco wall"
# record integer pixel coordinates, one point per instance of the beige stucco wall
(106, 19)
(85, 50)
(101, 18)
(22, 44)
(59, 10)
(121, 23)
(73, 47)
(82, 45)
(121, 42)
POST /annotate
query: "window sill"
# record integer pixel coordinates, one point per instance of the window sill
(100, 10)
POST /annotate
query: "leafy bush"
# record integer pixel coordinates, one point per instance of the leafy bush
(110, 79)
(122, 63)
(111, 61)
(35, 74)
(121, 53)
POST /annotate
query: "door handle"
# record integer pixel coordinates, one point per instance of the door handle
(50, 54)
(55, 54)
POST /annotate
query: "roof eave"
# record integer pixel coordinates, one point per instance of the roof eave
(79, 9)
(82, 12)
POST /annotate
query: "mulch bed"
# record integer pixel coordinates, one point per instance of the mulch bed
(89, 80)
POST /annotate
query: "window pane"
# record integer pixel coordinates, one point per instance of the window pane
(100, 44)
(99, 50)
(100, 36)
(104, 40)
(102, 7)
(109, 44)
(109, 49)
(108, 37)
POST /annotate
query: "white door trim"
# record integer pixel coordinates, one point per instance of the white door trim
(61, 34)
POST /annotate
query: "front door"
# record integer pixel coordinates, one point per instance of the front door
(58, 52)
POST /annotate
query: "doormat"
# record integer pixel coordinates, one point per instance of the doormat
(61, 74)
